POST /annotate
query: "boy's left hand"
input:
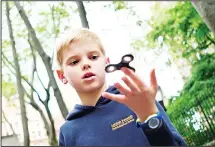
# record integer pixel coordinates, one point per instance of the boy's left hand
(139, 97)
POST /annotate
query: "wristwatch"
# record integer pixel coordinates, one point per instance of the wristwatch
(152, 123)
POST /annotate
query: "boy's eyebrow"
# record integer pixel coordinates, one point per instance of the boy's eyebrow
(94, 51)
(70, 58)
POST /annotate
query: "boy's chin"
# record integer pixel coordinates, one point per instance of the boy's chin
(91, 88)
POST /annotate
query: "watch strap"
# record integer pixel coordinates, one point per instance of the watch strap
(145, 123)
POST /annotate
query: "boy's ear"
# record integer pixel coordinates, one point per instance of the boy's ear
(61, 76)
(107, 60)
(59, 73)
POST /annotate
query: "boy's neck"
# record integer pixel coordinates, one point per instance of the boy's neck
(91, 98)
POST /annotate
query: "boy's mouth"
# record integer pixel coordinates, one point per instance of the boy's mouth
(88, 75)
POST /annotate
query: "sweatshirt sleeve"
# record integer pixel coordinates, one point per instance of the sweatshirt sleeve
(166, 135)
(61, 139)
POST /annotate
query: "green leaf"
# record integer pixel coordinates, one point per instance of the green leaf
(40, 28)
(8, 88)
(181, 27)
(119, 5)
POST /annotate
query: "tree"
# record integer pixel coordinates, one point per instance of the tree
(82, 14)
(7, 121)
(45, 58)
(206, 11)
(19, 84)
(197, 97)
(49, 124)
(188, 38)
(183, 31)
(57, 13)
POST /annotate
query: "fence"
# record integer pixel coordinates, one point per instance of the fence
(197, 123)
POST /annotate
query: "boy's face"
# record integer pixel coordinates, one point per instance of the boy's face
(83, 66)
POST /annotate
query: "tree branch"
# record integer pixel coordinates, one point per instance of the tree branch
(54, 28)
(82, 14)
(18, 81)
(45, 58)
(35, 70)
(48, 94)
(22, 78)
(209, 38)
(34, 62)
(203, 46)
(3, 114)
(28, 95)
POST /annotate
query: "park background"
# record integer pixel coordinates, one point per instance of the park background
(177, 38)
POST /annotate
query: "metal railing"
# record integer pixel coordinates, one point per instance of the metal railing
(197, 123)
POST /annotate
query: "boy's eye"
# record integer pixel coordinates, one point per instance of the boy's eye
(74, 62)
(94, 57)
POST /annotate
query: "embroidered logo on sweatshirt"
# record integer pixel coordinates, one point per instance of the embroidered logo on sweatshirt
(122, 122)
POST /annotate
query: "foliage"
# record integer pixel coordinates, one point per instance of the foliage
(196, 98)
(181, 29)
(118, 5)
(54, 16)
(9, 88)
(121, 5)
(203, 77)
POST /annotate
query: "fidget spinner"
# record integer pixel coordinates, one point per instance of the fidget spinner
(126, 59)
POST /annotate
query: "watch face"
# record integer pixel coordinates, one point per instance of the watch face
(154, 123)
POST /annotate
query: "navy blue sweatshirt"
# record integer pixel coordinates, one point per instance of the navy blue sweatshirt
(110, 123)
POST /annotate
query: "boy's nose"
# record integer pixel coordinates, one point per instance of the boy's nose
(85, 63)
(86, 66)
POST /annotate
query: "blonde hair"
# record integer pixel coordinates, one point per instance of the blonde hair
(73, 35)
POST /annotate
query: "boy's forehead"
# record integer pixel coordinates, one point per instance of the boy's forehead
(80, 50)
(83, 47)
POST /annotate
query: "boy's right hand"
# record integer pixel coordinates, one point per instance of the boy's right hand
(139, 97)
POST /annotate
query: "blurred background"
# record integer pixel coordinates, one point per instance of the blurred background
(177, 38)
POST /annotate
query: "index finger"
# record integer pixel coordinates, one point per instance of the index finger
(134, 77)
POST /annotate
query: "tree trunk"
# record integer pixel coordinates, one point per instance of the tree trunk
(31, 97)
(46, 60)
(36, 107)
(50, 129)
(206, 9)
(33, 103)
(82, 14)
(52, 139)
(18, 80)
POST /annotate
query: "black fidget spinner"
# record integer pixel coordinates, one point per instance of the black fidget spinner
(126, 59)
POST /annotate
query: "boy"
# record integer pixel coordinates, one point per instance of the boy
(108, 116)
